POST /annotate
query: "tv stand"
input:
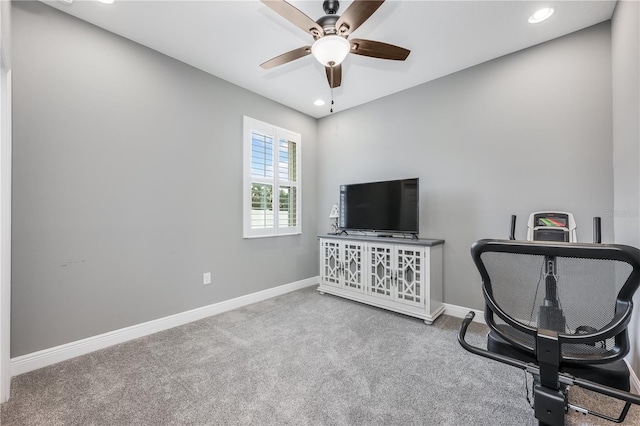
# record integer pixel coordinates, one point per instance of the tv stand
(402, 275)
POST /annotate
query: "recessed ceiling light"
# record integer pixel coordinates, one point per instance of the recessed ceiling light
(318, 102)
(106, 1)
(541, 15)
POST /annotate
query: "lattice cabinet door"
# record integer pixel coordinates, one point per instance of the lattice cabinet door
(352, 273)
(409, 270)
(380, 274)
(330, 261)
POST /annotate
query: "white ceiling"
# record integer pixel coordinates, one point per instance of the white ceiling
(229, 39)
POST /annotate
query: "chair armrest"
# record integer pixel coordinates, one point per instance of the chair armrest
(482, 352)
(597, 387)
(534, 369)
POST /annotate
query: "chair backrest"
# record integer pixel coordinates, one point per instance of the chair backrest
(581, 291)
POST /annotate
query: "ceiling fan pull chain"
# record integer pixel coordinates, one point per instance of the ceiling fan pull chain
(331, 64)
(331, 110)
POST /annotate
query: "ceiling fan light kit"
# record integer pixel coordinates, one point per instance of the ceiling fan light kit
(330, 50)
(330, 33)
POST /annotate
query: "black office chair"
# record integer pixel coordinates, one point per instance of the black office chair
(560, 312)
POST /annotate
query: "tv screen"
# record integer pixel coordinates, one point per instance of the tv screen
(389, 206)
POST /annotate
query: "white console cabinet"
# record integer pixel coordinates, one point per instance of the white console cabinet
(401, 275)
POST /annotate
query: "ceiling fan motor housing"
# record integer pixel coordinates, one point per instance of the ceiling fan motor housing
(330, 7)
(328, 24)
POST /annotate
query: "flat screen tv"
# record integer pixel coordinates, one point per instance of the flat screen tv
(389, 206)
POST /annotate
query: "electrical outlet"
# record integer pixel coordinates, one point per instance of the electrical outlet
(206, 278)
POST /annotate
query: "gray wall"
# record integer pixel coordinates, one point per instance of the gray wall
(127, 174)
(625, 38)
(126, 164)
(525, 132)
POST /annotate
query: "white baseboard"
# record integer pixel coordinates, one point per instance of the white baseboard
(33, 361)
(633, 379)
(461, 312)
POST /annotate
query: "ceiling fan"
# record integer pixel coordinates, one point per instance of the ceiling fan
(330, 33)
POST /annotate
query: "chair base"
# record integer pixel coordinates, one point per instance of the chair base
(615, 374)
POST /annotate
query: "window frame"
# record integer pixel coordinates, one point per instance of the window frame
(251, 125)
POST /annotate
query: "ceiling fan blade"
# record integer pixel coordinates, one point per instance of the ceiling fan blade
(295, 16)
(377, 49)
(287, 57)
(358, 12)
(334, 75)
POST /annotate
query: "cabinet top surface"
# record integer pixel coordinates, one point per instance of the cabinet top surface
(425, 242)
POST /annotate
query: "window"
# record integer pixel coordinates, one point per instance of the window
(271, 180)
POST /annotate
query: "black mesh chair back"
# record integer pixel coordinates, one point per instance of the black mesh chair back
(581, 291)
(560, 312)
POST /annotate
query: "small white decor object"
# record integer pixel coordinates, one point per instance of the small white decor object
(333, 217)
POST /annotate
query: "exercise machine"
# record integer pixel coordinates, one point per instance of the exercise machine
(572, 333)
(555, 226)
(550, 226)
